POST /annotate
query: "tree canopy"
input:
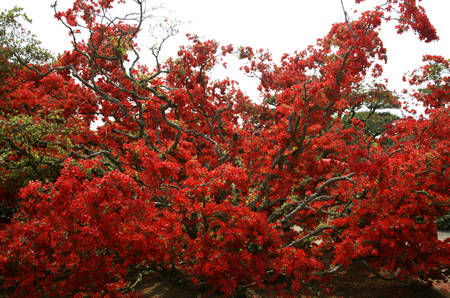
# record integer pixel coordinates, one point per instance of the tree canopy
(189, 176)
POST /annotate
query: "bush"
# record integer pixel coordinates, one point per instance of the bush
(443, 223)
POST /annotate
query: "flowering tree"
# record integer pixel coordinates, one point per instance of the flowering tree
(189, 176)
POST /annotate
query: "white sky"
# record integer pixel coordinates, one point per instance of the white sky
(281, 26)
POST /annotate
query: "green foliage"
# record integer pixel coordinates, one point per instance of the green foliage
(272, 101)
(375, 124)
(29, 149)
(435, 72)
(443, 223)
(17, 43)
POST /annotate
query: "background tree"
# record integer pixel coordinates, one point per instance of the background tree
(14, 40)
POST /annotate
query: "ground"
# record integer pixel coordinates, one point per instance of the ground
(351, 283)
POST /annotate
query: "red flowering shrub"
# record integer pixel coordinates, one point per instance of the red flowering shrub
(188, 176)
(82, 233)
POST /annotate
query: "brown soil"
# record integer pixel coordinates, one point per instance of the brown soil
(358, 283)
(350, 283)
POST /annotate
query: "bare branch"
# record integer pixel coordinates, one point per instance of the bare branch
(392, 153)
(317, 196)
(330, 271)
(376, 273)
(312, 234)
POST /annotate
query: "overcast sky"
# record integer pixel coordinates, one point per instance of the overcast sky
(281, 26)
